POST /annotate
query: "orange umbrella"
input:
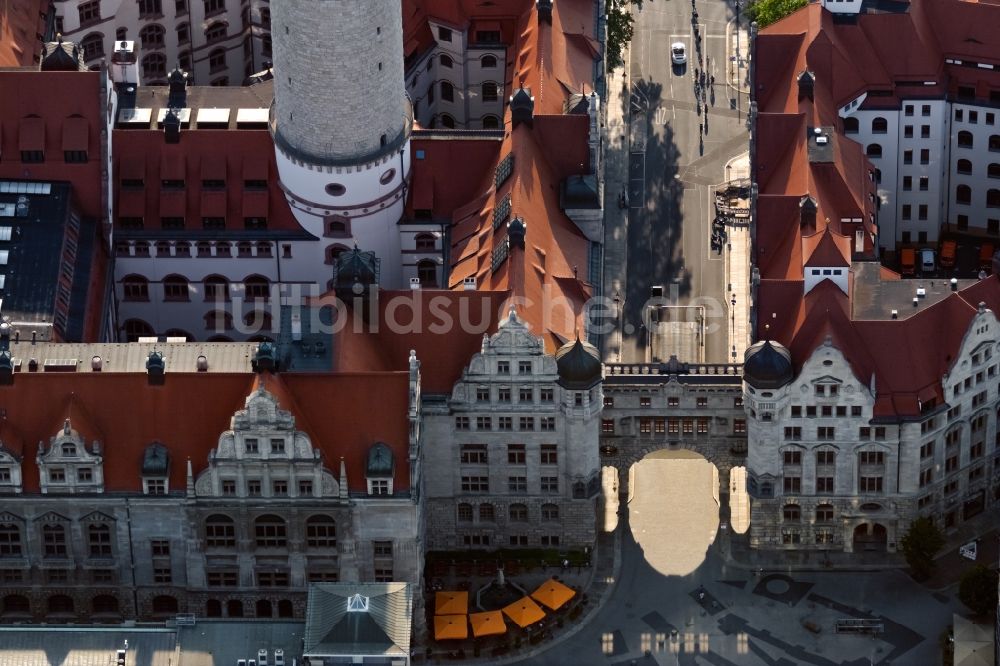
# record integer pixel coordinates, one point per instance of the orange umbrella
(489, 623)
(450, 627)
(553, 594)
(451, 603)
(524, 612)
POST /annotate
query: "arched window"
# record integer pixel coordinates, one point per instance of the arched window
(850, 125)
(321, 532)
(791, 513)
(488, 61)
(487, 513)
(218, 320)
(135, 288)
(137, 328)
(337, 226)
(874, 150)
(182, 249)
(993, 199)
(223, 249)
(446, 60)
(491, 122)
(263, 608)
(154, 66)
(183, 33)
(334, 251)
(447, 121)
(152, 36)
(60, 604)
(490, 91)
(213, 608)
(263, 248)
(216, 288)
(176, 288)
(518, 513)
(257, 288)
(165, 605)
(15, 604)
(995, 142)
(234, 608)
(217, 60)
(425, 242)
(270, 531)
(285, 608)
(93, 46)
(964, 166)
(550, 513)
(244, 249)
(257, 321)
(963, 194)
(104, 604)
(215, 31)
(965, 139)
(879, 125)
(824, 513)
(447, 91)
(121, 34)
(10, 540)
(464, 513)
(993, 170)
(427, 272)
(220, 531)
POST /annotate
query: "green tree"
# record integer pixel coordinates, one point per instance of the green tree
(978, 590)
(620, 29)
(920, 544)
(766, 12)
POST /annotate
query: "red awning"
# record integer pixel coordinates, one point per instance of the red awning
(171, 165)
(75, 135)
(132, 203)
(423, 189)
(255, 204)
(132, 167)
(173, 204)
(31, 135)
(213, 204)
(255, 169)
(213, 167)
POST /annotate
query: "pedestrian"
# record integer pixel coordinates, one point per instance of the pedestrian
(565, 566)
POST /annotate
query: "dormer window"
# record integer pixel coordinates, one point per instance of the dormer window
(154, 486)
(379, 470)
(57, 475)
(250, 445)
(155, 470)
(69, 450)
(277, 446)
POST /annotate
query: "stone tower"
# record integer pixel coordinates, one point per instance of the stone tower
(341, 122)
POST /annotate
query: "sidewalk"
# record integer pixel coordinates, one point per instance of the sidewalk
(738, 271)
(616, 156)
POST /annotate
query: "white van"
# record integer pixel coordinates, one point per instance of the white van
(927, 264)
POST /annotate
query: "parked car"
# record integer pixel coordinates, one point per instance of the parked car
(927, 264)
(279, 657)
(678, 53)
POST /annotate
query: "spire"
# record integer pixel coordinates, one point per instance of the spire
(190, 479)
(343, 479)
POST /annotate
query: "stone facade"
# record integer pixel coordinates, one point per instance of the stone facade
(673, 406)
(243, 539)
(824, 472)
(510, 457)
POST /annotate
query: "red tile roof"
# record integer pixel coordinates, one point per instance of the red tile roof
(875, 52)
(22, 24)
(190, 410)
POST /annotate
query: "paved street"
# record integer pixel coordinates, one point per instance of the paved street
(725, 616)
(672, 167)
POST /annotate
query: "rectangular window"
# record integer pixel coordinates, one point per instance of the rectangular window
(475, 484)
(525, 395)
(549, 454)
(924, 183)
(484, 423)
(461, 423)
(907, 212)
(608, 426)
(474, 454)
(229, 488)
(550, 484)
(907, 183)
(221, 578)
(925, 131)
(925, 156)
(84, 475)
(90, 12)
(253, 488)
(792, 484)
(645, 401)
(162, 574)
(793, 432)
(872, 458)
(272, 578)
(546, 395)
(925, 110)
(503, 394)
(516, 454)
(926, 476)
(517, 484)
(277, 446)
(57, 475)
(673, 401)
(279, 488)
(505, 423)
(526, 423)
(160, 547)
(825, 432)
(548, 423)
(739, 426)
(792, 457)
(825, 457)
(305, 487)
(824, 484)
(870, 484)
(645, 426)
(702, 402)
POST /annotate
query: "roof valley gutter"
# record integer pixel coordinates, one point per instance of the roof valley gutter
(131, 553)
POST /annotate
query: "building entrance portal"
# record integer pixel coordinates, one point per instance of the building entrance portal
(870, 538)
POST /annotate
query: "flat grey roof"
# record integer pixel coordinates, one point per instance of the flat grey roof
(875, 298)
(222, 642)
(131, 356)
(75, 646)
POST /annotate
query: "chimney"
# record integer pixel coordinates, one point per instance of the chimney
(172, 127)
(544, 9)
(177, 95)
(155, 368)
(414, 283)
(807, 214)
(522, 107)
(954, 284)
(6, 368)
(469, 283)
(264, 359)
(806, 84)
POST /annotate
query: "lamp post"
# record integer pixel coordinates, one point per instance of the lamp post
(732, 312)
(738, 73)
